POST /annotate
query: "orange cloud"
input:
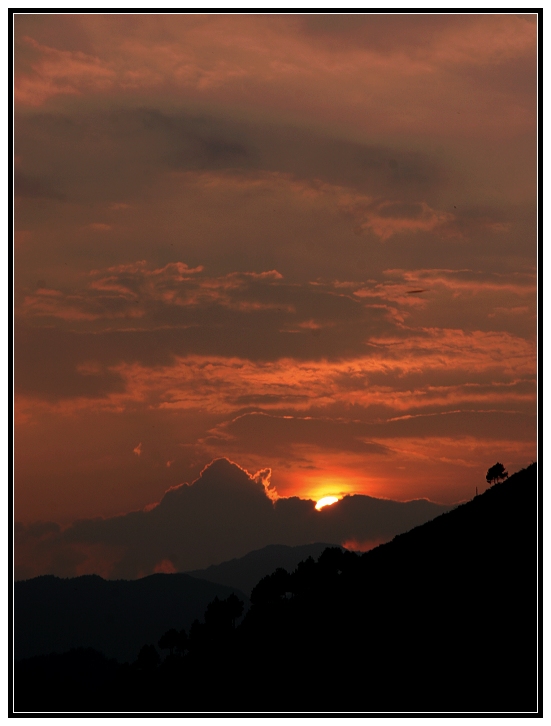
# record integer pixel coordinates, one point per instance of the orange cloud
(60, 72)
(381, 216)
(217, 384)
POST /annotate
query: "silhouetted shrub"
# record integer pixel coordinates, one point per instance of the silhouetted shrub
(496, 473)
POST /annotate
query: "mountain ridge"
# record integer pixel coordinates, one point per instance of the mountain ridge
(53, 614)
(244, 572)
(441, 619)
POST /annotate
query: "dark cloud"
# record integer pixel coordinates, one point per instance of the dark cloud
(39, 548)
(438, 40)
(282, 192)
(211, 152)
(51, 363)
(156, 319)
(66, 461)
(224, 514)
(130, 147)
(33, 187)
(385, 33)
(510, 76)
(216, 143)
(65, 364)
(65, 32)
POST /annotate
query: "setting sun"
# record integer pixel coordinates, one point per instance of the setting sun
(325, 501)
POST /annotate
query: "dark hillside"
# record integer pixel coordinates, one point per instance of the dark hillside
(116, 617)
(441, 619)
(244, 572)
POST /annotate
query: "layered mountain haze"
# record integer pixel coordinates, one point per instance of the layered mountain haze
(115, 617)
(245, 572)
(225, 513)
(54, 615)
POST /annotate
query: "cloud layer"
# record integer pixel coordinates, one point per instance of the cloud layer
(305, 243)
(225, 513)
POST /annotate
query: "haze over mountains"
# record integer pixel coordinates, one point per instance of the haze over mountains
(53, 615)
(244, 572)
(225, 513)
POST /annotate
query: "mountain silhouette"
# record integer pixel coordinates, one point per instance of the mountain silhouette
(442, 619)
(112, 616)
(243, 573)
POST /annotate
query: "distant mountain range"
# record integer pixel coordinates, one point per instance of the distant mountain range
(116, 617)
(243, 573)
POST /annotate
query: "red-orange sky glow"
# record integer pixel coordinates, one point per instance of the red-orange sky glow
(306, 243)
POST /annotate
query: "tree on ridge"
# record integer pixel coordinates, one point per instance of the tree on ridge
(496, 473)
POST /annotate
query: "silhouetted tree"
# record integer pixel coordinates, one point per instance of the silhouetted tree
(182, 643)
(496, 473)
(215, 615)
(235, 608)
(331, 561)
(169, 640)
(197, 636)
(221, 615)
(304, 577)
(272, 588)
(148, 658)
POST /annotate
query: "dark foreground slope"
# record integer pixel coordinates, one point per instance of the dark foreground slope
(243, 573)
(115, 617)
(441, 619)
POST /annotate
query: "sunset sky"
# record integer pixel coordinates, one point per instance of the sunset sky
(306, 243)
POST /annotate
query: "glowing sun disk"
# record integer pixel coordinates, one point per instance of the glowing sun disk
(325, 501)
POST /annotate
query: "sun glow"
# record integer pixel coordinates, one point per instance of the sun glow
(326, 501)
